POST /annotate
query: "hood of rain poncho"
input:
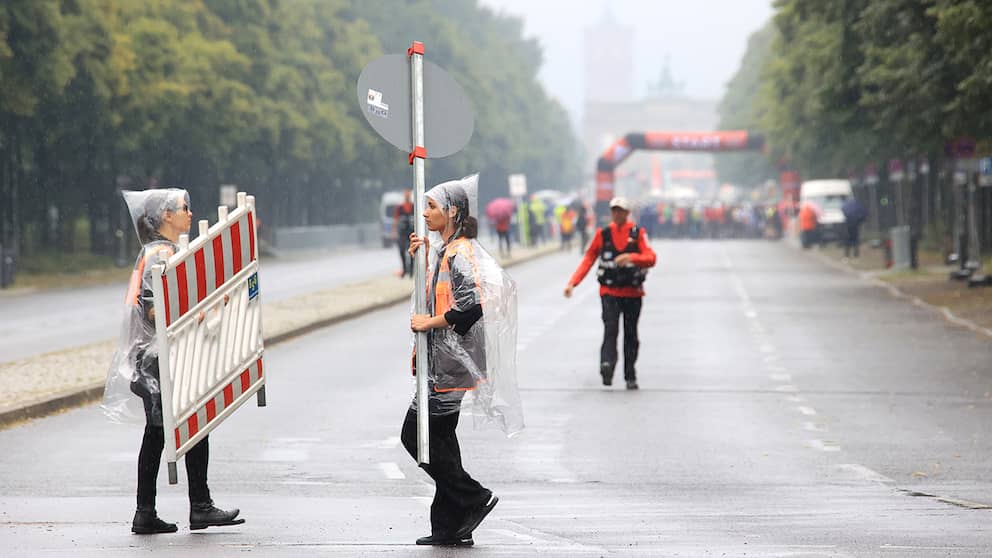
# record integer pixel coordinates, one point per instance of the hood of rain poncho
(474, 372)
(132, 390)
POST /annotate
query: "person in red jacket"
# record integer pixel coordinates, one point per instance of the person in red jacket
(624, 256)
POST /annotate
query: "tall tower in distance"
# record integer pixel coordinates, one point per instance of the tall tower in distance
(609, 62)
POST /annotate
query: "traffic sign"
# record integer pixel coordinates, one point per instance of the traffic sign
(384, 95)
(518, 185)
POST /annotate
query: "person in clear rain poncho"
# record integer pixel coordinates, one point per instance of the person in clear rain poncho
(132, 389)
(471, 327)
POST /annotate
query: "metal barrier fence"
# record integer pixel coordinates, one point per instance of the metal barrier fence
(208, 321)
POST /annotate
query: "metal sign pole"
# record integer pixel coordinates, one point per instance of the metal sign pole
(420, 261)
(388, 88)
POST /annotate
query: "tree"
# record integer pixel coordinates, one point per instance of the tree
(739, 111)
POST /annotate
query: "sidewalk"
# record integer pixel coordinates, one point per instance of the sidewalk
(49, 383)
(928, 285)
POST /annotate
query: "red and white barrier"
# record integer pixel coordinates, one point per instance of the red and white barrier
(208, 322)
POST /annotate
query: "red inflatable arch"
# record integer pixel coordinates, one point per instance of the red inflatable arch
(713, 142)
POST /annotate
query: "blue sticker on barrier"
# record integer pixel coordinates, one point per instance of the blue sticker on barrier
(253, 286)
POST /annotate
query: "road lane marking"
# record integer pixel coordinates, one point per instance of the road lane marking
(808, 411)
(865, 473)
(813, 427)
(796, 399)
(823, 445)
(392, 471)
(787, 389)
(389, 443)
(781, 377)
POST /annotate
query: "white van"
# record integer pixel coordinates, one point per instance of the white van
(828, 196)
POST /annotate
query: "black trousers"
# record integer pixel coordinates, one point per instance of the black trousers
(852, 240)
(630, 309)
(150, 457)
(504, 238)
(403, 243)
(455, 492)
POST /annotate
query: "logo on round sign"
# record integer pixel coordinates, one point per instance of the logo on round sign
(376, 106)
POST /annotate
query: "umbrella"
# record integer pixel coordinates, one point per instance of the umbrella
(500, 207)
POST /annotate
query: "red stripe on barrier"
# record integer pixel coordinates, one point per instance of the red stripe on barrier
(228, 395)
(165, 293)
(183, 288)
(236, 246)
(194, 425)
(177, 439)
(251, 236)
(211, 410)
(218, 261)
(245, 381)
(201, 275)
(259, 369)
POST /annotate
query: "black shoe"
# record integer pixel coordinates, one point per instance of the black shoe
(475, 517)
(146, 522)
(202, 516)
(632, 384)
(445, 541)
(606, 371)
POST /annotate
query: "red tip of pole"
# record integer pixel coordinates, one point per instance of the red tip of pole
(416, 48)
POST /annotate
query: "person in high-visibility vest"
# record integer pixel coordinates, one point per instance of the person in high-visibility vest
(808, 222)
(625, 255)
(160, 216)
(459, 283)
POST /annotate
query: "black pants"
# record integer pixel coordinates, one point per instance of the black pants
(150, 457)
(455, 492)
(852, 241)
(403, 243)
(630, 308)
(504, 238)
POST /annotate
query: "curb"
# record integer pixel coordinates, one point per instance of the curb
(898, 293)
(78, 397)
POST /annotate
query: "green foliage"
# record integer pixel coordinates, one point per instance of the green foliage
(101, 94)
(852, 82)
(738, 111)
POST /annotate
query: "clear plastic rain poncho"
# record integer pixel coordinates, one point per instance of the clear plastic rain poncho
(132, 389)
(472, 368)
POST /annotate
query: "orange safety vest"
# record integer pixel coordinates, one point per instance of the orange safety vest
(807, 218)
(443, 298)
(442, 290)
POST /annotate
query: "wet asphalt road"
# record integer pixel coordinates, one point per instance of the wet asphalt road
(786, 409)
(41, 322)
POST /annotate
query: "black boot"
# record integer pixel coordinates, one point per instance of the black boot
(206, 515)
(146, 522)
(606, 371)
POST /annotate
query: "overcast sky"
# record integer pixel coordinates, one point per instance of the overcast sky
(705, 40)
